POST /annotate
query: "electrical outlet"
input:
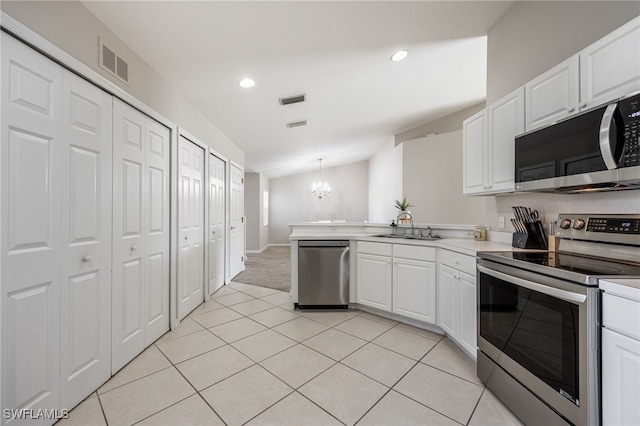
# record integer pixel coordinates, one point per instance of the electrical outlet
(501, 222)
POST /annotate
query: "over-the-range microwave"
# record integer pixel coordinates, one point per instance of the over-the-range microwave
(597, 150)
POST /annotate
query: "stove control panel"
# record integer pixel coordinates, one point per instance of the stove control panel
(615, 228)
(620, 226)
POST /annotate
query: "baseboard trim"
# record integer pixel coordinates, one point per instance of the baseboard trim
(266, 247)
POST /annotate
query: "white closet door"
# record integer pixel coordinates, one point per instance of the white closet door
(237, 221)
(86, 243)
(216, 222)
(191, 224)
(157, 232)
(31, 246)
(129, 201)
(140, 233)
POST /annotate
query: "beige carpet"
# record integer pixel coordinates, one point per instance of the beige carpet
(271, 268)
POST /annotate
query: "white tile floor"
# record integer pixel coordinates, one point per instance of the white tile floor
(246, 357)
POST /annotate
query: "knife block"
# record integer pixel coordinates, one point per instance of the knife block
(524, 241)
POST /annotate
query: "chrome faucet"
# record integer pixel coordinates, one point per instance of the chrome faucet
(404, 216)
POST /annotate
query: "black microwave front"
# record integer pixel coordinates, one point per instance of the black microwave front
(596, 150)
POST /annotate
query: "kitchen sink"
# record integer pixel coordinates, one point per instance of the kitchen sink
(410, 237)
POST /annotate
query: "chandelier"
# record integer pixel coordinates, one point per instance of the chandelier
(320, 188)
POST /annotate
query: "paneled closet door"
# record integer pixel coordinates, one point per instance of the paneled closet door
(140, 233)
(129, 201)
(216, 222)
(31, 241)
(237, 221)
(191, 223)
(157, 231)
(86, 231)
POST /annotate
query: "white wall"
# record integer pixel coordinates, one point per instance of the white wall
(447, 124)
(291, 200)
(71, 27)
(257, 234)
(432, 181)
(385, 182)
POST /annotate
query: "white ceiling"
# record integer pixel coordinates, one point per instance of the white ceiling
(337, 53)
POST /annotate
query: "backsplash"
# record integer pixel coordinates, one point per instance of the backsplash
(550, 205)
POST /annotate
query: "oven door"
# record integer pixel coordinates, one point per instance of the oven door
(544, 333)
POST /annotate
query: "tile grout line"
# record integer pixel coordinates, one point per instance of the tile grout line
(476, 406)
(300, 314)
(194, 388)
(389, 389)
(416, 401)
(104, 415)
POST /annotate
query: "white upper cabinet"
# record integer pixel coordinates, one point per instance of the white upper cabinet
(488, 147)
(505, 120)
(610, 67)
(553, 95)
(604, 71)
(474, 131)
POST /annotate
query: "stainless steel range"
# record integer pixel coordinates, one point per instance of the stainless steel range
(538, 318)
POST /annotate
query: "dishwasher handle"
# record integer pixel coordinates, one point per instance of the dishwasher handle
(323, 243)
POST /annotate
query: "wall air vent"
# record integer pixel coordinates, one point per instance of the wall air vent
(298, 123)
(114, 64)
(292, 99)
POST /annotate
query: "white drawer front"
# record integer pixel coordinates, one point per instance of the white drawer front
(414, 252)
(458, 261)
(621, 314)
(380, 249)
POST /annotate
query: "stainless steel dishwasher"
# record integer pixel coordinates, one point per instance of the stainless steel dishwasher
(323, 274)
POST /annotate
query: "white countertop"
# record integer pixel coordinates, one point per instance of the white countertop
(455, 237)
(461, 245)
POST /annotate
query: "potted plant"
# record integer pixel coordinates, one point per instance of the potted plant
(404, 216)
(403, 205)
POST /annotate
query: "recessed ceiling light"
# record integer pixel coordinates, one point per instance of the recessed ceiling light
(399, 55)
(246, 83)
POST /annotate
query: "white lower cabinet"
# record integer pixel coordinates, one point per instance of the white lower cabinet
(414, 282)
(457, 298)
(620, 353)
(398, 278)
(374, 275)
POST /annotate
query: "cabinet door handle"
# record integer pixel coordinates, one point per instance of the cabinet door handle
(571, 109)
(134, 247)
(583, 105)
(87, 258)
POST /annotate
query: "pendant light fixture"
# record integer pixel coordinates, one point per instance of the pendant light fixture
(320, 189)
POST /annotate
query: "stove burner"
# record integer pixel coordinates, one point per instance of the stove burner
(578, 264)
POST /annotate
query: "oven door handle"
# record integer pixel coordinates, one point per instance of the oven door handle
(551, 291)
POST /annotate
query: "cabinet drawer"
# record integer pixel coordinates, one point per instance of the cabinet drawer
(380, 249)
(621, 314)
(414, 252)
(458, 261)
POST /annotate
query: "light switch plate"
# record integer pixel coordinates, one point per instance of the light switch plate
(501, 222)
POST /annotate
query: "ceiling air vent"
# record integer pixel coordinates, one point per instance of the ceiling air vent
(298, 123)
(292, 99)
(113, 63)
